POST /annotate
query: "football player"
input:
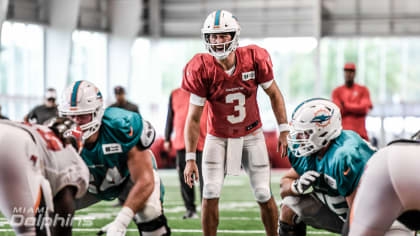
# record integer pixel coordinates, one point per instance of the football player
(41, 174)
(327, 163)
(117, 154)
(228, 78)
(392, 175)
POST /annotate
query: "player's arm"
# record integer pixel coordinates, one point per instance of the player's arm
(294, 184)
(279, 109)
(362, 107)
(169, 126)
(350, 198)
(286, 183)
(141, 170)
(191, 133)
(64, 206)
(140, 166)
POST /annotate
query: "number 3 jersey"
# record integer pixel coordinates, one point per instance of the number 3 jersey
(120, 131)
(233, 109)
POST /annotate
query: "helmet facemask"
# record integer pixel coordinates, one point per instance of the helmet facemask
(228, 47)
(314, 123)
(221, 22)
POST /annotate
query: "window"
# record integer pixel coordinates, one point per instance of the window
(21, 68)
(89, 59)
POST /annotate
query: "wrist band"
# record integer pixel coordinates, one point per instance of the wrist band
(190, 156)
(283, 127)
(125, 216)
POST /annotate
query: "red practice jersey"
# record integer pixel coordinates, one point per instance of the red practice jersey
(233, 109)
(180, 102)
(354, 104)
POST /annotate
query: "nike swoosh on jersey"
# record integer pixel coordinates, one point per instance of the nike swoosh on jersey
(131, 131)
(347, 171)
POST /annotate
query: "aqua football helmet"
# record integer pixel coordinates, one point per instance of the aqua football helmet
(83, 98)
(221, 21)
(314, 123)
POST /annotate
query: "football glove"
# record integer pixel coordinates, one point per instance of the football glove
(301, 185)
(118, 227)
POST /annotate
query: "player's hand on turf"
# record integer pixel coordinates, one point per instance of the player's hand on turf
(304, 182)
(282, 143)
(190, 173)
(118, 227)
(113, 229)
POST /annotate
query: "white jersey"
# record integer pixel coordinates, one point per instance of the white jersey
(392, 174)
(61, 166)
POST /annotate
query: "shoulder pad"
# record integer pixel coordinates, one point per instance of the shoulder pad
(147, 136)
(124, 126)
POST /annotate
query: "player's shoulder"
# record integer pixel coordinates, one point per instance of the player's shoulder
(361, 87)
(180, 94)
(339, 88)
(122, 125)
(252, 49)
(349, 146)
(199, 60)
(254, 53)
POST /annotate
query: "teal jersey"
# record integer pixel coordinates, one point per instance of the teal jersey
(341, 168)
(107, 161)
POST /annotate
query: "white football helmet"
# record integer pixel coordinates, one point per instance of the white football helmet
(82, 98)
(221, 21)
(314, 123)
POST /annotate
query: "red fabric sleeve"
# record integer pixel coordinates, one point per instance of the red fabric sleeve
(193, 81)
(361, 108)
(264, 65)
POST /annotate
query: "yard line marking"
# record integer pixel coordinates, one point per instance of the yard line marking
(186, 231)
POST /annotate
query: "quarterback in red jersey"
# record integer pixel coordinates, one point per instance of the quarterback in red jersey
(228, 78)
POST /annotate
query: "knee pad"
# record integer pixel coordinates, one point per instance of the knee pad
(262, 194)
(311, 211)
(292, 230)
(211, 190)
(398, 229)
(156, 227)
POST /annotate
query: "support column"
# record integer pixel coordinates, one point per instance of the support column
(4, 5)
(125, 19)
(63, 18)
(319, 84)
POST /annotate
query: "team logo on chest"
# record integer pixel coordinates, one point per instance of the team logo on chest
(248, 75)
(111, 148)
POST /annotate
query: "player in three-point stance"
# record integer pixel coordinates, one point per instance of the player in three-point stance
(117, 154)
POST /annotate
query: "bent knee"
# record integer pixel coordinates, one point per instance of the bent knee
(262, 195)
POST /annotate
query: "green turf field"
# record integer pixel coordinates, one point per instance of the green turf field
(239, 213)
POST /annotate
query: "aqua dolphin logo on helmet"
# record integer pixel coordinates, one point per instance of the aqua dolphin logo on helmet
(314, 123)
(322, 117)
